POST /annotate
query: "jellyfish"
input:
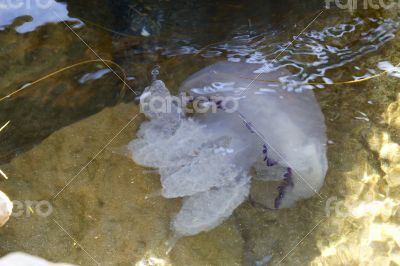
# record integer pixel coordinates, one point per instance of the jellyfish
(233, 125)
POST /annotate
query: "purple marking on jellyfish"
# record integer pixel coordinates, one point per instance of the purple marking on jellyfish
(279, 198)
(265, 150)
(289, 175)
(283, 187)
(271, 162)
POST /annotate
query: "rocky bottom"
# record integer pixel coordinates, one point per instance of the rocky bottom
(106, 213)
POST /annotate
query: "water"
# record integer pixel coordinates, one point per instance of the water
(106, 210)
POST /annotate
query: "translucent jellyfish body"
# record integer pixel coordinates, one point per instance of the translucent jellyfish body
(251, 127)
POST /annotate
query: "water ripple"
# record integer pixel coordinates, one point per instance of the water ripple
(313, 55)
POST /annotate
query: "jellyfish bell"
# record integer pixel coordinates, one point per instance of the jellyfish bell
(289, 122)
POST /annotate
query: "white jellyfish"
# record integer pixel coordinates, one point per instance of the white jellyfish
(246, 127)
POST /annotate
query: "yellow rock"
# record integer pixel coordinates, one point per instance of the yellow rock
(393, 176)
(392, 116)
(101, 212)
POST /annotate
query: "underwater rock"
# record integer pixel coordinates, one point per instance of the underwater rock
(207, 159)
(392, 116)
(6, 207)
(22, 259)
(105, 207)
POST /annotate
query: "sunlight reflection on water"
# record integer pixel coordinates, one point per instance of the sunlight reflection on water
(40, 11)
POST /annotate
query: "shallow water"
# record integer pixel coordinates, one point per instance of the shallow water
(352, 222)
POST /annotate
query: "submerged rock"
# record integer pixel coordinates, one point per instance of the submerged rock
(6, 207)
(105, 208)
(22, 259)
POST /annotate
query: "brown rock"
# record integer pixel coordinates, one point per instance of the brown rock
(103, 210)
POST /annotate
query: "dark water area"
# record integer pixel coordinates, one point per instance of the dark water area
(137, 35)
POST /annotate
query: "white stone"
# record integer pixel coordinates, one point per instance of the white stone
(23, 259)
(6, 207)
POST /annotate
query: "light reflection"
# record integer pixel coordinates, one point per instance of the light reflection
(152, 261)
(94, 75)
(40, 11)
